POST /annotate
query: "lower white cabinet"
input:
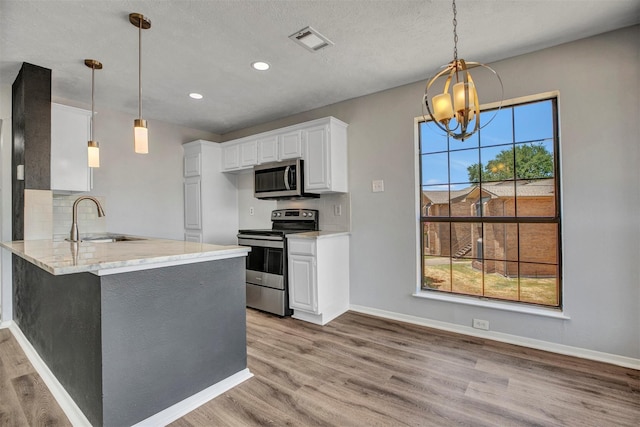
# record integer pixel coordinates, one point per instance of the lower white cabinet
(318, 267)
(210, 196)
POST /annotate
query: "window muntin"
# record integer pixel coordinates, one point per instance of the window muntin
(489, 207)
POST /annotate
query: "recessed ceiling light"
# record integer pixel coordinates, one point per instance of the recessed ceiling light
(195, 95)
(260, 66)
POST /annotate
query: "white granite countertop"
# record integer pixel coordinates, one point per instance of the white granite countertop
(63, 257)
(317, 234)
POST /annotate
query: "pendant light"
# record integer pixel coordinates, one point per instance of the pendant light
(140, 131)
(465, 108)
(93, 148)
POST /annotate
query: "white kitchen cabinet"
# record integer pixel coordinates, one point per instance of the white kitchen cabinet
(290, 145)
(230, 157)
(192, 164)
(324, 150)
(268, 149)
(249, 153)
(70, 131)
(210, 198)
(318, 270)
(192, 203)
(322, 143)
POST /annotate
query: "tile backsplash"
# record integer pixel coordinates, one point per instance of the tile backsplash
(334, 210)
(88, 220)
(38, 223)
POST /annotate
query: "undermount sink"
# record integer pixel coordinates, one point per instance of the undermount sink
(110, 238)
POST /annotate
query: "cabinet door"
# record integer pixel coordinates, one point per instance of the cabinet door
(192, 204)
(316, 159)
(302, 283)
(249, 153)
(231, 157)
(268, 149)
(70, 131)
(192, 164)
(290, 145)
(193, 237)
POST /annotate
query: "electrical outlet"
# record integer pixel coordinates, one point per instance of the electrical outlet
(481, 324)
(337, 210)
(377, 186)
(251, 210)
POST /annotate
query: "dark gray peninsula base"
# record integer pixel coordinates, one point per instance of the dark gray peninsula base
(126, 346)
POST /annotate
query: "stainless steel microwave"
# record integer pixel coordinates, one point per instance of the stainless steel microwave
(280, 180)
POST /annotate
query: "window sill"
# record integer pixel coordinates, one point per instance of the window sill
(497, 305)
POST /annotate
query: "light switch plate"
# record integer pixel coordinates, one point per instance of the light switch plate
(377, 185)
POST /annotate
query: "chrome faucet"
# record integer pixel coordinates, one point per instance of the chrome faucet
(75, 236)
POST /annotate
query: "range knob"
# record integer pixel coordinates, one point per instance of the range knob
(274, 214)
(310, 214)
(304, 214)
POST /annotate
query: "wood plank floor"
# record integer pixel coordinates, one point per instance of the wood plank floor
(365, 371)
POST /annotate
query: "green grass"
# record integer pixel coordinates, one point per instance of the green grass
(467, 280)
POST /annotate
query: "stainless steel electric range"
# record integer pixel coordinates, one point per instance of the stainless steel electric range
(267, 284)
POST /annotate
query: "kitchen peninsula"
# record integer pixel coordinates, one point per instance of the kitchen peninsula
(134, 326)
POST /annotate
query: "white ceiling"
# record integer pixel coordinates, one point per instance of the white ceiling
(208, 46)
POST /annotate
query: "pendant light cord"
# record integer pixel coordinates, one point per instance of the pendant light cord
(140, 69)
(93, 71)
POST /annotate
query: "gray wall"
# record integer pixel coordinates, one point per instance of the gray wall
(599, 128)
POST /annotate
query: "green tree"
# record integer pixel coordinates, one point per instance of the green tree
(531, 161)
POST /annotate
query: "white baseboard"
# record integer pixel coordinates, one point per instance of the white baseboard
(189, 404)
(162, 418)
(614, 359)
(69, 407)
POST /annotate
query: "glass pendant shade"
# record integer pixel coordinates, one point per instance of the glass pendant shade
(140, 136)
(93, 154)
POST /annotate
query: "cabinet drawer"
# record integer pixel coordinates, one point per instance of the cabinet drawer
(302, 246)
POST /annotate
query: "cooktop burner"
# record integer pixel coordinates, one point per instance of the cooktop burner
(287, 221)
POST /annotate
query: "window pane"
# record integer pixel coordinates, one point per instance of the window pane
(501, 280)
(458, 144)
(539, 284)
(437, 273)
(497, 163)
(467, 277)
(464, 236)
(536, 198)
(461, 163)
(435, 200)
(539, 243)
(498, 199)
(533, 121)
(436, 239)
(499, 130)
(500, 243)
(460, 204)
(432, 138)
(534, 160)
(435, 169)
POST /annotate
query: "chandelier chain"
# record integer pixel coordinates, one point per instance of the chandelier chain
(455, 33)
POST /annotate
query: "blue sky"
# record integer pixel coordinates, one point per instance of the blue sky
(533, 122)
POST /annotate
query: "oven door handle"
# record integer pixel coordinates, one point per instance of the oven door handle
(261, 243)
(287, 184)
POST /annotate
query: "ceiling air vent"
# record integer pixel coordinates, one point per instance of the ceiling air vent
(310, 39)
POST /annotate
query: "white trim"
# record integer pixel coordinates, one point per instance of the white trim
(189, 404)
(496, 305)
(69, 407)
(614, 359)
(77, 417)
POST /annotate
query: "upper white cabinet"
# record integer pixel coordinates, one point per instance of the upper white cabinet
(324, 150)
(290, 145)
(268, 149)
(192, 164)
(322, 144)
(70, 131)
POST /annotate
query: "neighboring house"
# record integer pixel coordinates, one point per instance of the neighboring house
(495, 247)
